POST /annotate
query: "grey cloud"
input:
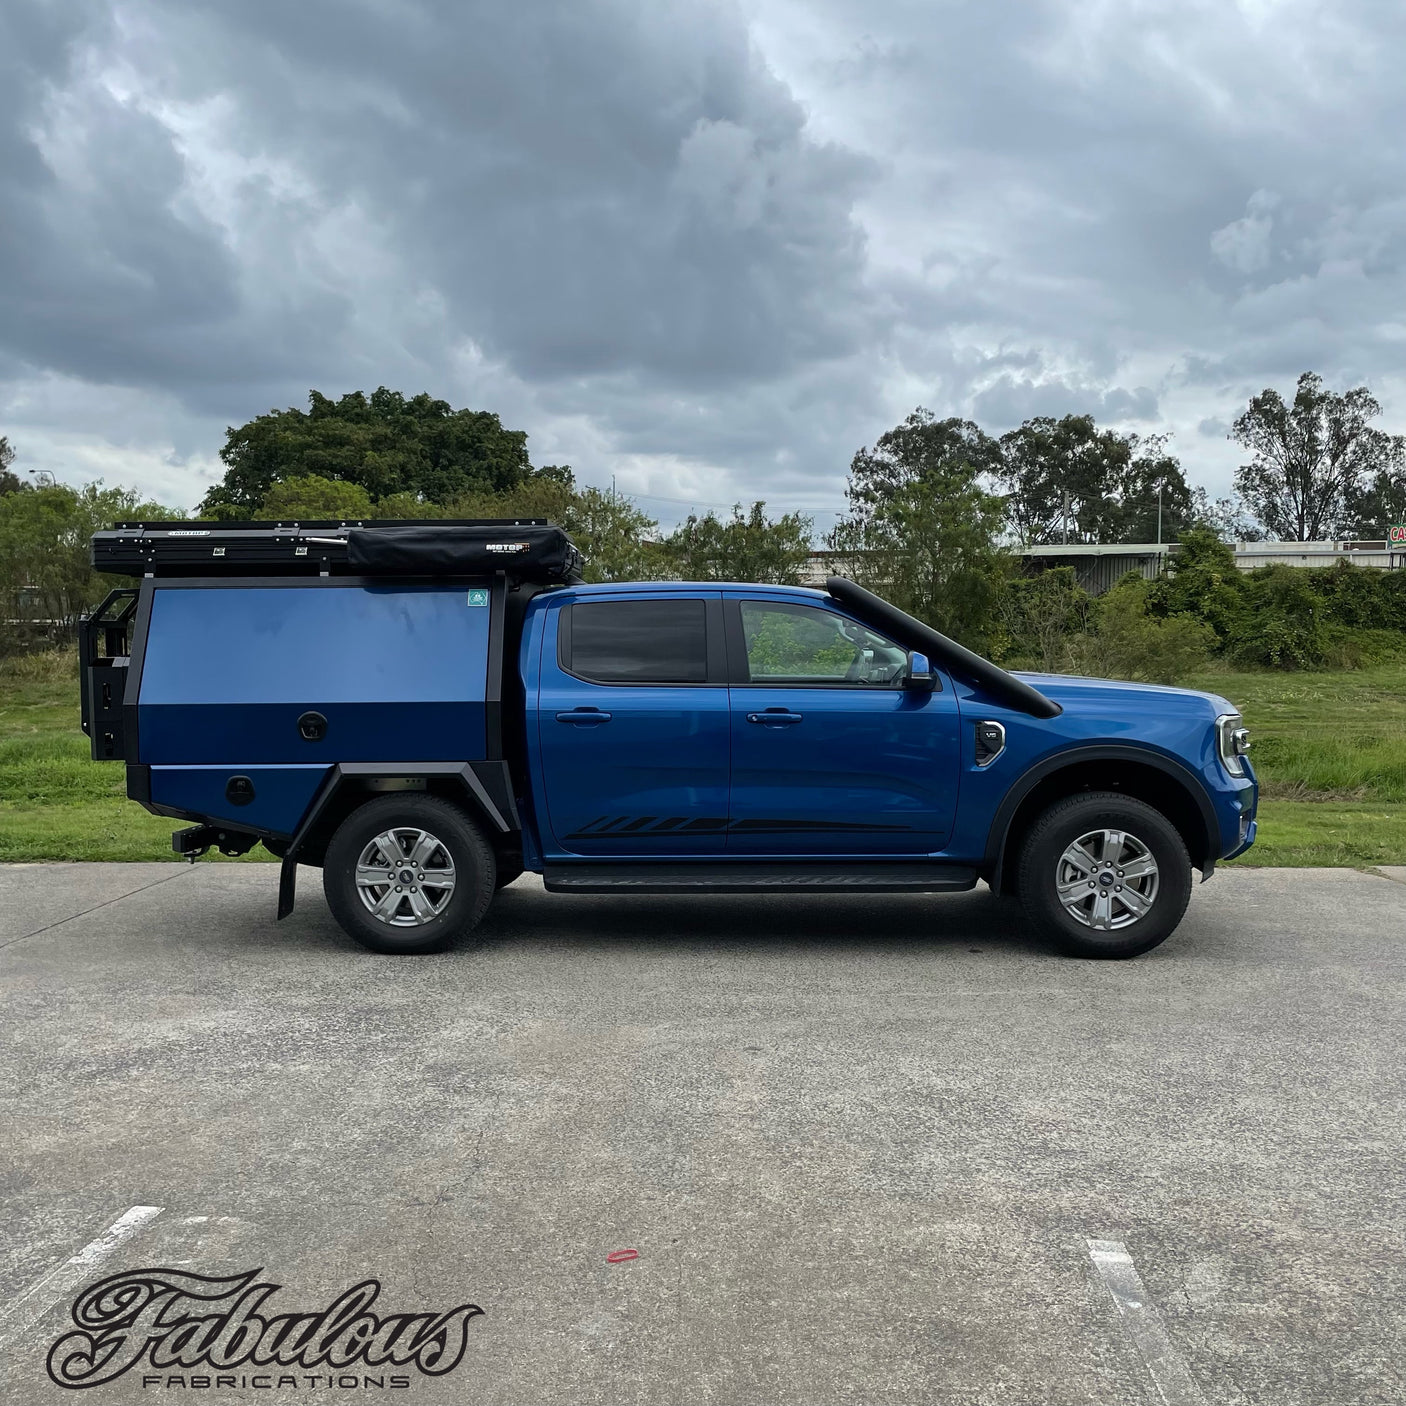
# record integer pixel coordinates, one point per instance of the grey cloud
(1243, 244)
(1008, 401)
(589, 187)
(109, 272)
(743, 244)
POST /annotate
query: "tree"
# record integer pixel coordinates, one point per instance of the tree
(921, 528)
(618, 541)
(1131, 644)
(1154, 501)
(1377, 506)
(1283, 626)
(46, 581)
(310, 496)
(1228, 518)
(744, 548)
(545, 495)
(1202, 581)
(10, 482)
(1313, 459)
(1042, 613)
(1067, 480)
(385, 443)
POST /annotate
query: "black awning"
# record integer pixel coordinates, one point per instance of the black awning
(542, 554)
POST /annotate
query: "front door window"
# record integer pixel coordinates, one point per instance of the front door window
(800, 644)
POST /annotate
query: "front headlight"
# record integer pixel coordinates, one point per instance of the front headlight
(1233, 738)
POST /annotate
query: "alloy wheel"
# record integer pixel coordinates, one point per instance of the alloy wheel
(1107, 879)
(405, 877)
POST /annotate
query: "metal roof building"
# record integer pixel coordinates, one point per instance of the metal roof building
(1098, 567)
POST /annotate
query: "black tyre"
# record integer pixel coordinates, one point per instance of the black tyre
(1104, 875)
(408, 874)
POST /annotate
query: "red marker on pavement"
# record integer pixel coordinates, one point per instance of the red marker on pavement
(620, 1256)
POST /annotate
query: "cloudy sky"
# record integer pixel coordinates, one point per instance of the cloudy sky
(707, 248)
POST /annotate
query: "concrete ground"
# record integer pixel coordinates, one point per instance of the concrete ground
(860, 1144)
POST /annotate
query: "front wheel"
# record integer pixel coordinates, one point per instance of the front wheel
(1104, 875)
(408, 874)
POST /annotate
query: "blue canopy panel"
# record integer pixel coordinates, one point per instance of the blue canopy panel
(398, 672)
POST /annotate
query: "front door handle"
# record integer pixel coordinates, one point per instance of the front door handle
(775, 717)
(584, 717)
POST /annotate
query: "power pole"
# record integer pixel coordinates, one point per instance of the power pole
(1064, 517)
(1159, 514)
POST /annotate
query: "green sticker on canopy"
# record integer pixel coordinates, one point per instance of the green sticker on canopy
(478, 597)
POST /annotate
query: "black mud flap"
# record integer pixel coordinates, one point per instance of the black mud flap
(287, 886)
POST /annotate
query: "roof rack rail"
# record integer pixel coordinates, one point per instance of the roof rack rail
(526, 549)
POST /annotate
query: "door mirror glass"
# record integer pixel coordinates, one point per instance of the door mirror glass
(919, 677)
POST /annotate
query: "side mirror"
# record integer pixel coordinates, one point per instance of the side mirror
(919, 678)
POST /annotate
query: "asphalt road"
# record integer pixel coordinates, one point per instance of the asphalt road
(860, 1145)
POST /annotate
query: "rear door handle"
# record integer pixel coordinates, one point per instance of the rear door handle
(775, 717)
(584, 717)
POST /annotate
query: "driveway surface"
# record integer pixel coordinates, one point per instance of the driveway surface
(860, 1145)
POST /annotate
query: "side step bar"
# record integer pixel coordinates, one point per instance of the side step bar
(707, 877)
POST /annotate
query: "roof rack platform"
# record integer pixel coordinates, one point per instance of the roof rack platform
(526, 549)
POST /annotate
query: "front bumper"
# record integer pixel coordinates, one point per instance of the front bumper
(1246, 804)
(1248, 828)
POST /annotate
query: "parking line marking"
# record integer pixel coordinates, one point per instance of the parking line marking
(1175, 1385)
(30, 1307)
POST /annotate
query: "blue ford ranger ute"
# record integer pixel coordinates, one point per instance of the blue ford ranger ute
(425, 710)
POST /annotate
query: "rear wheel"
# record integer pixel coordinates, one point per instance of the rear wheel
(1104, 875)
(408, 874)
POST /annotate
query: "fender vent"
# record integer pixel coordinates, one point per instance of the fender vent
(990, 742)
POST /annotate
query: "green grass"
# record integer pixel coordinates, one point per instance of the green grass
(1334, 834)
(1329, 749)
(55, 802)
(1330, 752)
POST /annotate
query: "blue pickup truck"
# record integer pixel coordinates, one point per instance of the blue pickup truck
(426, 710)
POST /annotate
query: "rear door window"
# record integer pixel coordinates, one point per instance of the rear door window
(637, 641)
